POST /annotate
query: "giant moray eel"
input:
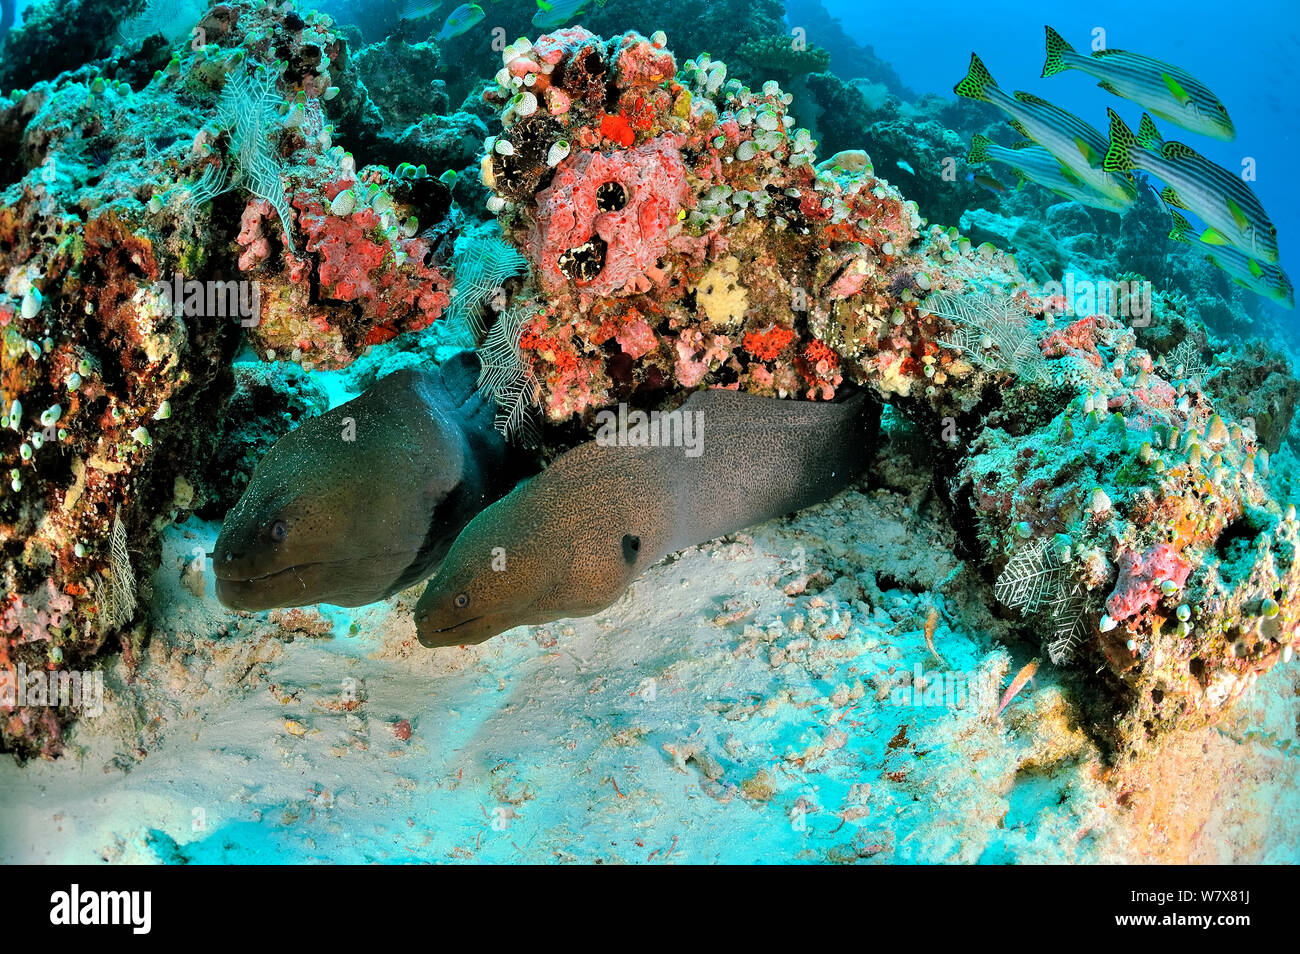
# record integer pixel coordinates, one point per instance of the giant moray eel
(569, 541)
(331, 520)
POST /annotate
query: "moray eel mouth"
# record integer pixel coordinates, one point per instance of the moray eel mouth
(432, 638)
(263, 591)
(266, 576)
(350, 581)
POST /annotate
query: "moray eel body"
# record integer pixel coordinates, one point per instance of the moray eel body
(568, 542)
(328, 519)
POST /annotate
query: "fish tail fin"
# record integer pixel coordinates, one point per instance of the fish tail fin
(979, 149)
(1119, 154)
(977, 82)
(1056, 50)
(1172, 198)
(1181, 227)
(1148, 136)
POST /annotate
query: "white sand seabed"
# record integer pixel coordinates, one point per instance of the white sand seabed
(747, 701)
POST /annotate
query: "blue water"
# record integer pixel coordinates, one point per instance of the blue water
(1246, 53)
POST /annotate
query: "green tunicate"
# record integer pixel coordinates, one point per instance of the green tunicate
(51, 415)
(79, 550)
(74, 381)
(1269, 608)
(25, 451)
(344, 203)
(1184, 612)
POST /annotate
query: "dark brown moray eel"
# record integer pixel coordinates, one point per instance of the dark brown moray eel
(349, 522)
(569, 542)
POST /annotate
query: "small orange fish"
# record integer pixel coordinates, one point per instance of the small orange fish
(1022, 677)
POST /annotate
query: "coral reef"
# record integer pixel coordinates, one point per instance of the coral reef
(59, 35)
(675, 229)
(682, 234)
(268, 400)
(641, 200)
(143, 230)
(419, 127)
(847, 57)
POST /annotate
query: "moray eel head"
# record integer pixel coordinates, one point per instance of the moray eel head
(481, 590)
(511, 566)
(340, 508)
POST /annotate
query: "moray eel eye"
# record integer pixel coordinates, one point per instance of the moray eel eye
(279, 531)
(461, 600)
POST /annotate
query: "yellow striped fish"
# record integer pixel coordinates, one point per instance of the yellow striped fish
(1074, 143)
(1160, 88)
(1268, 281)
(1228, 207)
(1036, 164)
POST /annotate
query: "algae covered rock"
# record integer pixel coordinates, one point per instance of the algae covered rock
(143, 233)
(267, 402)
